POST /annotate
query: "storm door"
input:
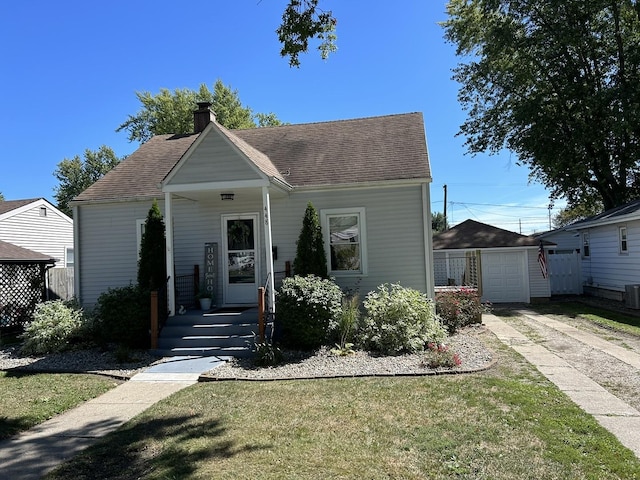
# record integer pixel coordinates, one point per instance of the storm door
(240, 243)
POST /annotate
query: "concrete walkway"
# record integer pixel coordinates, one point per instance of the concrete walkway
(33, 453)
(612, 413)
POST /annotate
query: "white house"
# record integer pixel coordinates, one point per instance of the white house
(509, 270)
(35, 224)
(233, 203)
(610, 252)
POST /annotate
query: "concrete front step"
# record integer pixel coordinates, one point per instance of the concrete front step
(204, 352)
(206, 341)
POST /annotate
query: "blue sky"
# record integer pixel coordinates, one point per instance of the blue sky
(71, 69)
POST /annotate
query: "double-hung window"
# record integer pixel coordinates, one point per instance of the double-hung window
(585, 245)
(622, 233)
(345, 237)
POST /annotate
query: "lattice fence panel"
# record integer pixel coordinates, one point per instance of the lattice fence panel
(21, 289)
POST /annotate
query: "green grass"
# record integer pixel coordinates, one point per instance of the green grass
(606, 318)
(506, 423)
(28, 399)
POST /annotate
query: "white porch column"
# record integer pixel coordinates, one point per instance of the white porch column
(268, 247)
(168, 222)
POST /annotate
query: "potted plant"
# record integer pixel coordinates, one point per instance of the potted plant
(204, 297)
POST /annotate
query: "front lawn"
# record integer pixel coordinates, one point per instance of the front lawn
(505, 423)
(27, 399)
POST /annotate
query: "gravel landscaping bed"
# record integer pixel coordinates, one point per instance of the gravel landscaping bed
(323, 364)
(472, 351)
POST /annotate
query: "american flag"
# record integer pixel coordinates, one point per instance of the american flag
(542, 260)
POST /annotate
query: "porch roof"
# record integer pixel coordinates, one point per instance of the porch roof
(343, 152)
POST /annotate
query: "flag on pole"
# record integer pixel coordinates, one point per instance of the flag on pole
(542, 260)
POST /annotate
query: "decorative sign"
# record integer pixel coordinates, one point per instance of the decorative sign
(211, 269)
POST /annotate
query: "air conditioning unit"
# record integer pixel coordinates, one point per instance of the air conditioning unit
(632, 296)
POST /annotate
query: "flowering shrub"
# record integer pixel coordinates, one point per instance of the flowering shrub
(57, 326)
(459, 308)
(308, 310)
(399, 320)
(439, 355)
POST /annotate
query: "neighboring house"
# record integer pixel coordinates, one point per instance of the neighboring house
(239, 197)
(37, 225)
(510, 271)
(22, 282)
(610, 251)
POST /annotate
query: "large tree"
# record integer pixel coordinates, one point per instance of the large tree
(558, 83)
(172, 111)
(302, 21)
(77, 174)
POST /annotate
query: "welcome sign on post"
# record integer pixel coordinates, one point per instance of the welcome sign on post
(211, 269)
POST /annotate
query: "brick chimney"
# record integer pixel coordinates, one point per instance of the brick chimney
(203, 116)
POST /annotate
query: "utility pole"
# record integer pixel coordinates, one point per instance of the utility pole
(445, 207)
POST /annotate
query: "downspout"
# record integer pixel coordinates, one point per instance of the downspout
(268, 247)
(168, 221)
(428, 250)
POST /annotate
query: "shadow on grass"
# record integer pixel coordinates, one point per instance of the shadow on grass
(171, 446)
(11, 427)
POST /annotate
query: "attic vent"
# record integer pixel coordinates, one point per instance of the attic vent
(286, 173)
(43, 211)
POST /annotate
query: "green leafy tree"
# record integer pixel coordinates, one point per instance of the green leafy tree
(439, 222)
(302, 21)
(557, 82)
(310, 254)
(77, 174)
(577, 212)
(152, 265)
(172, 112)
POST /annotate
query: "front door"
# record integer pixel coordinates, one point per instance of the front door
(240, 243)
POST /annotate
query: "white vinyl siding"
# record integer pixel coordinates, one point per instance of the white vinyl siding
(215, 160)
(394, 235)
(539, 287)
(50, 235)
(606, 268)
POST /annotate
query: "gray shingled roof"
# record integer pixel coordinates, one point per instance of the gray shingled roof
(628, 211)
(343, 152)
(472, 234)
(9, 205)
(10, 253)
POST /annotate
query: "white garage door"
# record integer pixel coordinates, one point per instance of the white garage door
(504, 277)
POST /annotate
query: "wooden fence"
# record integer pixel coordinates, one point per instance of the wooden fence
(61, 283)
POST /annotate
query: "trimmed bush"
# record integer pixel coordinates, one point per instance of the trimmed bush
(57, 326)
(399, 320)
(459, 308)
(307, 310)
(124, 316)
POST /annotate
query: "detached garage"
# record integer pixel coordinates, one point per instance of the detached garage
(503, 265)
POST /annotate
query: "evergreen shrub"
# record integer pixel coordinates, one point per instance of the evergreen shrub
(307, 311)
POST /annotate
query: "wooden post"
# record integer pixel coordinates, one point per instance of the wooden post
(261, 328)
(154, 320)
(287, 268)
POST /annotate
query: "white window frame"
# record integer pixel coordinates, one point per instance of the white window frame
(623, 240)
(362, 222)
(586, 244)
(66, 257)
(140, 226)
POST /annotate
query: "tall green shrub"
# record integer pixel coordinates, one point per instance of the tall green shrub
(123, 316)
(310, 254)
(152, 270)
(399, 320)
(307, 311)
